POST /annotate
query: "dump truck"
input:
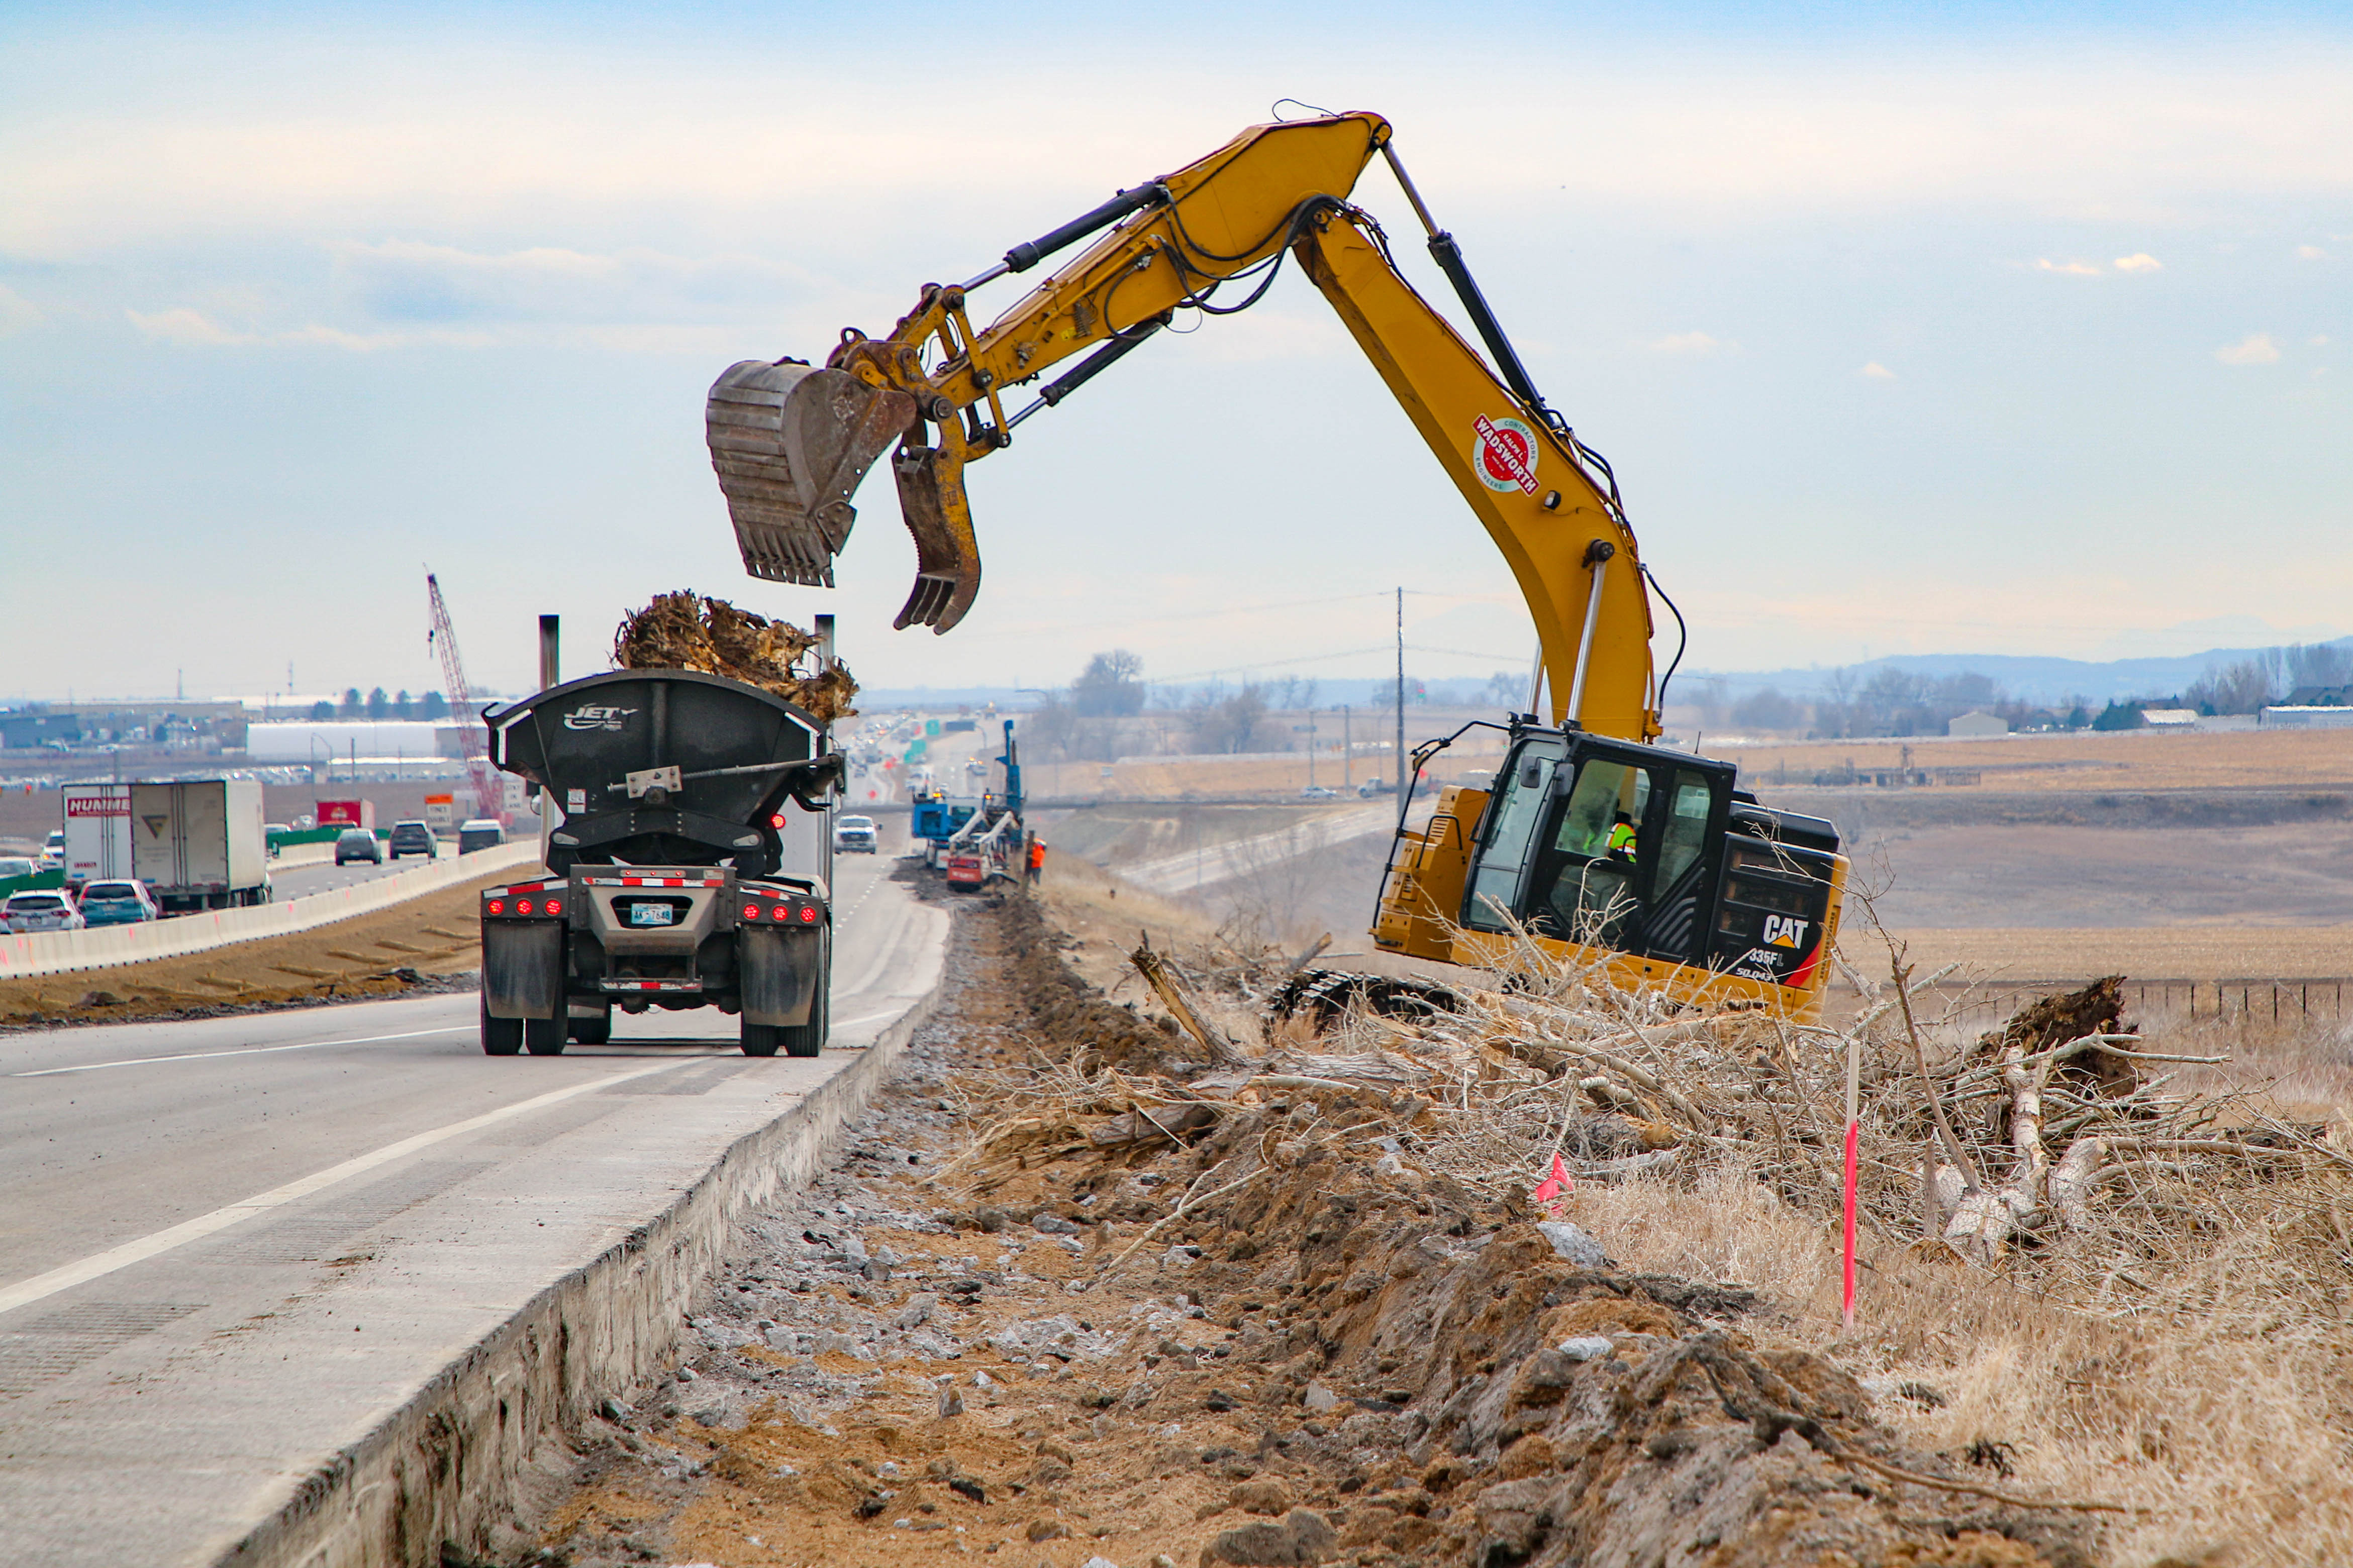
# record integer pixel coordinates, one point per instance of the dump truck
(692, 865)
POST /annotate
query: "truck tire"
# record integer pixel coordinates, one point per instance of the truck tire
(808, 1040)
(594, 1030)
(761, 1040)
(546, 1036)
(500, 1037)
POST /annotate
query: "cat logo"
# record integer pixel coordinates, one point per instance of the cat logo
(590, 715)
(1786, 931)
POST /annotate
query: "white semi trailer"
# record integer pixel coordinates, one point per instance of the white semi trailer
(198, 844)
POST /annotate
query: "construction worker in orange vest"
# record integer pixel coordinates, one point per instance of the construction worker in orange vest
(1036, 859)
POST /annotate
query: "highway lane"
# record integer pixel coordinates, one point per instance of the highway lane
(324, 875)
(232, 1244)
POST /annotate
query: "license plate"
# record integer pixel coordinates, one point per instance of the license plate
(652, 915)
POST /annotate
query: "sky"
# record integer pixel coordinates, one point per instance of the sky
(1909, 329)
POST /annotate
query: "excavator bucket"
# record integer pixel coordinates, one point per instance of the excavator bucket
(790, 443)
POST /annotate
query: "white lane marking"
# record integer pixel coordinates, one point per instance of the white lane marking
(884, 954)
(98, 1264)
(242, 1051)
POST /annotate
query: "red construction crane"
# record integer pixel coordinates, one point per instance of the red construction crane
(473, 739)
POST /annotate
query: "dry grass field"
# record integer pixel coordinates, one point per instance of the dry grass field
(2179, 953)
(2084, 761)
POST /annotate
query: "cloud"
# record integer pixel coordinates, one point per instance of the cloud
(1694, 346)
(193, 328)
(2072, 268)
(189, 329)
(2255, 348)
(2139, 262)
(2321, 341)
(408, 280)
(16, 312)
(2311, 253)
(430, 130)
(1875, 371)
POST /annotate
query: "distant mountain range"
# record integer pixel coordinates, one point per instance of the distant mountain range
(2027, 677)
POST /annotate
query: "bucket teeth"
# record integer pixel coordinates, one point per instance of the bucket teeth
(790, 443)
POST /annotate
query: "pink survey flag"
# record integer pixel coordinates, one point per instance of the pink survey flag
(1556, 1182)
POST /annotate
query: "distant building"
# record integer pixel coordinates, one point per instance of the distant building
(355, 739)
(1977, 725)
(2169, 717)
(2295, 716)
(2320, 697)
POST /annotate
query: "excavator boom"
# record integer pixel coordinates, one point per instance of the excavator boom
(790, 441)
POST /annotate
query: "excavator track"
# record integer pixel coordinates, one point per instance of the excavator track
(1320, 996)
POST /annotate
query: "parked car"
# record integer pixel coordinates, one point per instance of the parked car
(854, 835)
(118, 901)
(1319, 792)
(479, 833)
(358, 844)
(1372, 788)
(39, 911)
(412, 838)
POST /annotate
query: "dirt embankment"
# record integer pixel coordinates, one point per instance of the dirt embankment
(425, 944)
(1077, 1337)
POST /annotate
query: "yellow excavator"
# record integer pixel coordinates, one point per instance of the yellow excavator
(1642, 862)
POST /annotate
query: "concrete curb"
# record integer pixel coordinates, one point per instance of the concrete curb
(27, 954)
(446, 1465)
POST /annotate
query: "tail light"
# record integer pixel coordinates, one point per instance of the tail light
(808, 914)
(522, 906)
(555, 906)
(498, 906)
(750, 911)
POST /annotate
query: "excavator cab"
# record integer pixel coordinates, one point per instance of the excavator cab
(1650, 861)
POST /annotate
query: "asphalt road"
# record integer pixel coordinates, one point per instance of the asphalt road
(233, 1245)
(326, 875)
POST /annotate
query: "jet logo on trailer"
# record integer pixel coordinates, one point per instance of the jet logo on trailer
(1504, 453)
(592, 716)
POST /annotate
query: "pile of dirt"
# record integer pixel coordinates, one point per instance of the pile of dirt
(1079, 1311)
(686, 630)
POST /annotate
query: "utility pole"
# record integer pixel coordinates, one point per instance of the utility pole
(1347, 751)
(1401, 780)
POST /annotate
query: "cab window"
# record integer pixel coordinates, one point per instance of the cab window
(1685, 838)
(1515, 813)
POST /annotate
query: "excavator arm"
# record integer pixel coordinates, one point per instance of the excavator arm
(790, 441)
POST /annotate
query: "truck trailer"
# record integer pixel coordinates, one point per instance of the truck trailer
(692, 865)
(198, 844)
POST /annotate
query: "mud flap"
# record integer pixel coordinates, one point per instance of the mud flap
(522, 968)
(790, 443)
(778, 973)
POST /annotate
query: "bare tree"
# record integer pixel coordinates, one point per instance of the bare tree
(1112, 686)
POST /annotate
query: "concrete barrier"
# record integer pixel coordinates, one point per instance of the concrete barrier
(447, 1466)
(29, 953)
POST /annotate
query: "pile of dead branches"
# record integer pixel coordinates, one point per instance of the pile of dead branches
(686, 630)
(2063, 1140)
